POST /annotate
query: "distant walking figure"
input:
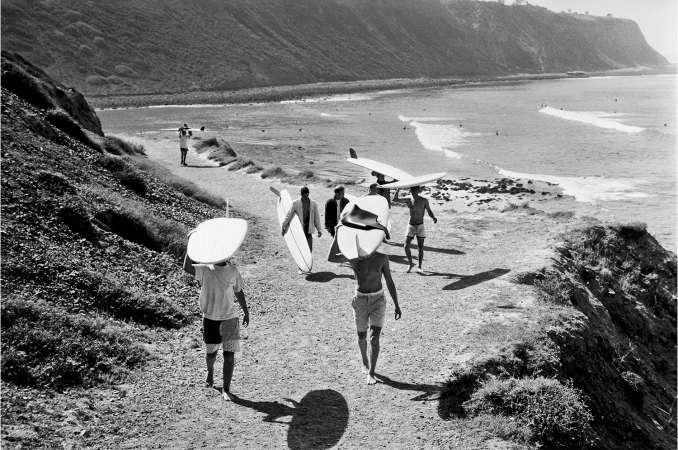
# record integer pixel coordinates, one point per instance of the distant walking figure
(418, 205)
(333, 208)
(183, 145)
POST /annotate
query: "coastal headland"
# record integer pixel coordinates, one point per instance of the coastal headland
(101, 338)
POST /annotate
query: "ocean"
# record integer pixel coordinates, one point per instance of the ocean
(609, 143)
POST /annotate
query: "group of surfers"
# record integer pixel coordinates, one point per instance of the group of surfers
(222, 284)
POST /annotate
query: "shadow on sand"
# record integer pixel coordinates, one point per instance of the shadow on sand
(324, 277)
(413, 246)
(318, 421)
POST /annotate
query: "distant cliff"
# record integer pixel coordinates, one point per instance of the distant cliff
(127, 47)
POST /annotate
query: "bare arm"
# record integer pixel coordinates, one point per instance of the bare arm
(390, 285)
(430, 213)
(188, 265)
(396, 199)
(240, 297)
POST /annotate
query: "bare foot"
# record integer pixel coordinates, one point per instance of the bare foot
(371, 379)
(364, 369)
(410, 269)
(228, 396)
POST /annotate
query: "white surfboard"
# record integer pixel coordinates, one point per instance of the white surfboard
(354, 243)
(416, 181)
(216, 240)
(352, 198)
(377, 166)
(294, 236)
(182, 128)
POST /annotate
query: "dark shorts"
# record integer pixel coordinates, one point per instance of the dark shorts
(221, 332)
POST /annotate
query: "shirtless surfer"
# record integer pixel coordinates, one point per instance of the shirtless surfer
(369, 305)
(418, 205)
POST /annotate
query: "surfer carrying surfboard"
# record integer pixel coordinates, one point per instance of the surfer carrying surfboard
(386, 193)
(183, 145)
(307, 210)
(417, 206)
(221, 286)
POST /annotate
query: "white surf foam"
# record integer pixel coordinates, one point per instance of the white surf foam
(426, 119)
(331, 98)
(441, 137)
(589, 189)
(332, 115)
(597, 118)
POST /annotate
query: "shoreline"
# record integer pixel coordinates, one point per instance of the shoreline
(304, 91)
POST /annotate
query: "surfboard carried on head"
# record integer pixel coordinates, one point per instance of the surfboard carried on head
(183, 129)
(362, 230)
(415, 181)
(377, 166)
(294, 236)
(216, 240)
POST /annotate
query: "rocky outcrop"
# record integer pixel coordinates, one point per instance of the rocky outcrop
(36, 87)
(157, 46)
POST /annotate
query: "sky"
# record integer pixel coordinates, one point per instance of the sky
(657, 19)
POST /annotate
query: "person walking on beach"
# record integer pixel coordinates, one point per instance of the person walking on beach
(418, 205)
(221, 285)
(183, 145)
(333, 208)
(307, 210)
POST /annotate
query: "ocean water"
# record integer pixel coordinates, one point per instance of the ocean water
(608, 142)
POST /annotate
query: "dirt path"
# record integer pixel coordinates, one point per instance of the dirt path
(298, 379)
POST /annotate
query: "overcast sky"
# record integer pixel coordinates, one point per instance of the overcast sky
(656, 18)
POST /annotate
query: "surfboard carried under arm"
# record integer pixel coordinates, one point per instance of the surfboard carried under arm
(294, 236)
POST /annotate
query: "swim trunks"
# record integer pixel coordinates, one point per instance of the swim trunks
(368, 309)
(416, 230)
(221, 332)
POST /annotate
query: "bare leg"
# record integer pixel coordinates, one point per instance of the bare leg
(210, 358)
(408, 252)
(374, 355)
(362, 344)
(420, 244)
(229, 364)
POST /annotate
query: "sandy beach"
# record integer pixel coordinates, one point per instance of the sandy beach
(298, 380)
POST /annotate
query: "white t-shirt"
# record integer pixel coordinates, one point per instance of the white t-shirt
(219, 284)
(183, 141)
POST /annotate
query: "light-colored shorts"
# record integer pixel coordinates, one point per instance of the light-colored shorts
(224, 333)
(416, 231)
(368, 310)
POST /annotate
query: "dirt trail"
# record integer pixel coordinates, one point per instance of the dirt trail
(298, 379)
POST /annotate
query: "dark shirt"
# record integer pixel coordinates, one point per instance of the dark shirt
(331, 212)
(306, 208)
(386, 193)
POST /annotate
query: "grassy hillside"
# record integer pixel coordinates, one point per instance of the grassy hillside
(173, 46)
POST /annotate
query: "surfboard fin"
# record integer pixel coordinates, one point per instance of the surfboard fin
(353, 154)
(361, 253)
(275, 191)
(202, 128)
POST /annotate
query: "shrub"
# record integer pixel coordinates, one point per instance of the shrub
(100, 42)
(76, 218)
(85, 50)
(306, 174)
(566, 215)
(240, 163)
(96, 80)
(117, 146)
(255, 168)
(125, 173)
(188, 188)
(125, 71)
(554, 413)
(274, 172)
(44, 347)
(555, 287)
(209, 142)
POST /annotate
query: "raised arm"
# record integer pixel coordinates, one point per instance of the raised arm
(188, 265)
(397, 199)
(390, 285)
(430, 213)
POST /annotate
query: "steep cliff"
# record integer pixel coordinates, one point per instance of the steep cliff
(161, 46)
